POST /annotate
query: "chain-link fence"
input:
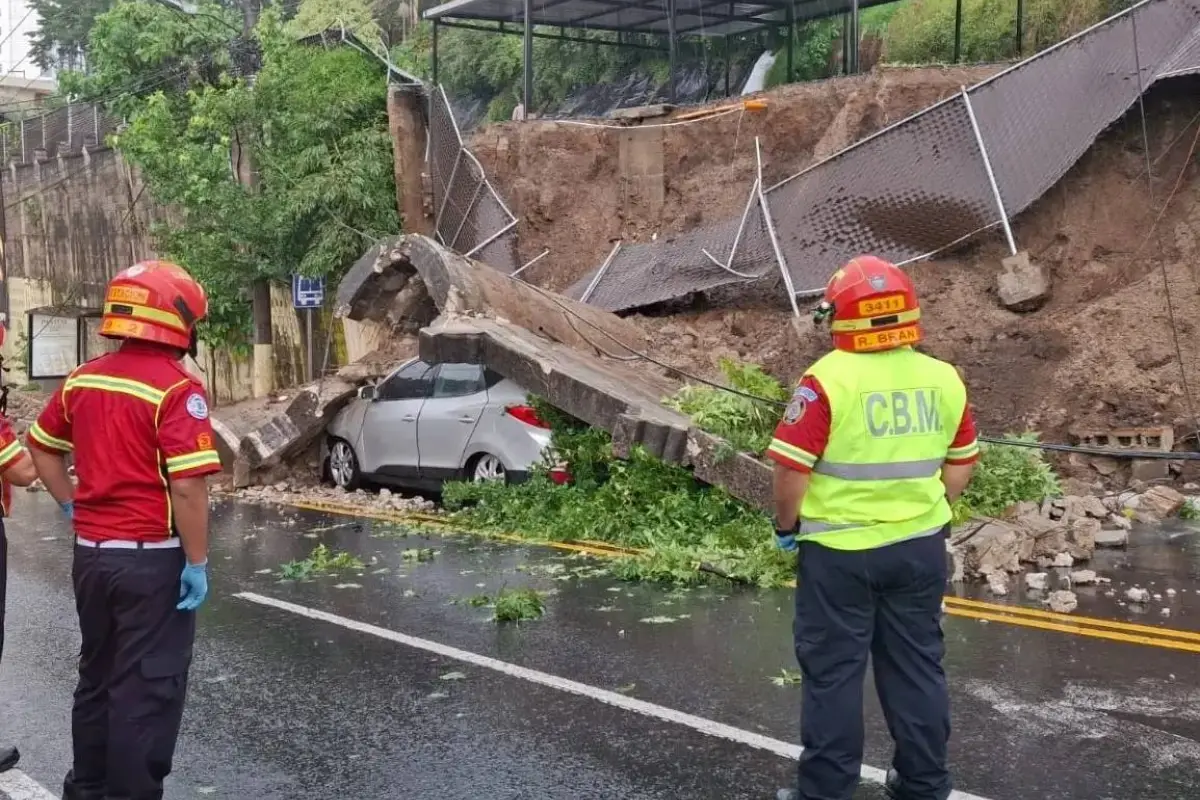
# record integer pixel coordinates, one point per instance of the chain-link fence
(963, 166)
(469, 215)
(64, 131)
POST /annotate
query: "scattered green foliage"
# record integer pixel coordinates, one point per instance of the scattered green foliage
(322, 561)
(1190, 510)
(1006, 475)
(787, 677)
(518, 605)
(745, 423)
(419, 555)
(639, 503)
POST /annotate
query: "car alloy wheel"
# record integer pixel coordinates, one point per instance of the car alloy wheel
(342, 464)
(488, 468)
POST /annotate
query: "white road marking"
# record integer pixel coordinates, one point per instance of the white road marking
(705, 726)
(16, 785)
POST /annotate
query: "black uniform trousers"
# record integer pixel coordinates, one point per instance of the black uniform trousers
(886, 604)
(133, 670)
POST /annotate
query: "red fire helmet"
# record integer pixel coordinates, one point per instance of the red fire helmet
(155, 301)
(872, 305)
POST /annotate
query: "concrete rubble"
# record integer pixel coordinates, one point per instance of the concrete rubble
(1056, 533)
(290, 492)
(266, 436)
(1137, 595)
(1062, 602)
(1022, 284)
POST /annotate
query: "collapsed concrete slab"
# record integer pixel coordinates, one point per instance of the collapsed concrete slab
(252, 437)
(576, 357)
(458, 286)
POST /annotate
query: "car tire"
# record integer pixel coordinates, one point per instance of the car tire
(343, 465)
(485, 467)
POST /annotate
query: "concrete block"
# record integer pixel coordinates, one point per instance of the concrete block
(1022, 284)
(640, 113)
(1150, 470)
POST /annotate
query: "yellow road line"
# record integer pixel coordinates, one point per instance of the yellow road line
(1094, 627)
(1071, 619)
(1096, 633)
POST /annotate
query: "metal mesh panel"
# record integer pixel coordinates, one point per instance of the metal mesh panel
(1040, 117)
(1185, 60)
(899, 196)
(921, 185)
(470, 217)
(63, 131)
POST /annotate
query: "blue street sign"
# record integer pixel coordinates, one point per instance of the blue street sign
(307, 292)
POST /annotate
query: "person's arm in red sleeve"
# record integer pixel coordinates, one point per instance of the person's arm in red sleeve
(185, 439)
(16, 467)
(961, 457)
(49, 440)
(798, 443)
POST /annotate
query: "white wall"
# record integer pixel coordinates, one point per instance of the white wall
(16, 23)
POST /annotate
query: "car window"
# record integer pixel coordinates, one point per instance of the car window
(491, 377)
(458, 380)
(411, 383)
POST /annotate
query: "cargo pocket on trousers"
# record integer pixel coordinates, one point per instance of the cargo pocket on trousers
(164, 677)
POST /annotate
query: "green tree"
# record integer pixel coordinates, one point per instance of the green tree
(315, 119)
(356, 16)
(61, 39)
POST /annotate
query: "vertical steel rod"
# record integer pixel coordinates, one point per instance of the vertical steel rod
(987, 166)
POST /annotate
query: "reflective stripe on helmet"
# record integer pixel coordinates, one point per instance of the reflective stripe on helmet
(146, 313)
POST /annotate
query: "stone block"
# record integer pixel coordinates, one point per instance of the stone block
(1022, 284)
(1149, 470)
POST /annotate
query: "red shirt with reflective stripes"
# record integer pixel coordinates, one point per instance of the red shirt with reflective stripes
(134, 420)
(11, 451)
(809, 433)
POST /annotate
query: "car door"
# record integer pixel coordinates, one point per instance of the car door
(448, 418)
(389, 431)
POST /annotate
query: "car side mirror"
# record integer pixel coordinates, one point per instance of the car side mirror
(366, 393)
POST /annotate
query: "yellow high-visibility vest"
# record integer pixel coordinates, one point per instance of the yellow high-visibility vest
(894, 417)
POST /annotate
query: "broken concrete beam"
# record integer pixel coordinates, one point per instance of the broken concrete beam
(460, 286)
(1159, 438)
(639, 113)
(1022, 284)
(300, 424)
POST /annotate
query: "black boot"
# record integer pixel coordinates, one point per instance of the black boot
(9, 756)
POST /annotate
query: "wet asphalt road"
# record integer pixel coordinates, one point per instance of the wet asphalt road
(283, 706)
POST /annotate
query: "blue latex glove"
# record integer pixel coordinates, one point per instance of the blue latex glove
(193, 586)
(786, 539)
(68, 508)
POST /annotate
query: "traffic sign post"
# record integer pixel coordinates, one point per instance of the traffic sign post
(308, 294)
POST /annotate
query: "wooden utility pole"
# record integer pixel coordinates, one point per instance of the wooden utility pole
(264, 337)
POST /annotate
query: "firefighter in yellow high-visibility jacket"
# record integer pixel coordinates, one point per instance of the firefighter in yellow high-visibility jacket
(876, 443)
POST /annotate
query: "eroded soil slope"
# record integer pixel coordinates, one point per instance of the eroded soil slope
(1100, 353)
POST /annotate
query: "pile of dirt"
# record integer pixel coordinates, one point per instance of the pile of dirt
(1100, 353)
(561, 179)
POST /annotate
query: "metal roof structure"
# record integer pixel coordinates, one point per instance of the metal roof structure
(658, 17)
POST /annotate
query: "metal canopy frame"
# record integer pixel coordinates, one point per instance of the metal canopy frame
(672, 19)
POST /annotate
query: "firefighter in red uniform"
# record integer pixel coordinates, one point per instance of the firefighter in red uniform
(16, 469)
(137, 425)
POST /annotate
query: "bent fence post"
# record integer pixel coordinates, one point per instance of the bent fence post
(987, 166)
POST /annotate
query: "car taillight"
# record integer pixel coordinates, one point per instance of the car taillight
(527, 415)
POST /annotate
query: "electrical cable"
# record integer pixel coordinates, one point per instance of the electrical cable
(1162, 261)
